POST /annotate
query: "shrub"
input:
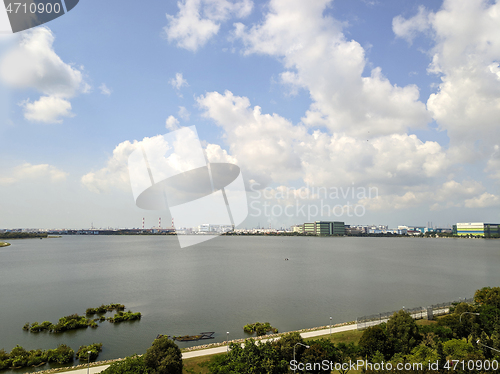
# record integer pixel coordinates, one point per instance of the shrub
(94, 350)
(131, 365)
(61, 355)
(125, 316)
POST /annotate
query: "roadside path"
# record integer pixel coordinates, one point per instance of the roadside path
(222, 349)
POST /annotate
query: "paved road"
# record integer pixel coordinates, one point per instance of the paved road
(222, 349)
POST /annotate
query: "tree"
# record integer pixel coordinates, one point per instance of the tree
(286, 343)
(374, 339)
(488, 296)
(318, 351)
(262, 358)
(402, 330)
(163, 357)
(346, 353)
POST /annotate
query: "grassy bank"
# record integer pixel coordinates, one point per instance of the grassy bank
(3, 244)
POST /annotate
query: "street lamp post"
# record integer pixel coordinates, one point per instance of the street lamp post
(88, 361)
(476, 314)
(478, 342)
(330, 327)
(294, 354)
(227, 340)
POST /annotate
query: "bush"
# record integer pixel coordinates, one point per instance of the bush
(131, 365)
(125, 316)
(259, 328)
(73, 322)
(94, 350)
(61, 355)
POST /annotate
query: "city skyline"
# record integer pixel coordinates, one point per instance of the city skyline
(345, 97)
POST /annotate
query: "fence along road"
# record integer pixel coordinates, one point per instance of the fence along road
(416, 313)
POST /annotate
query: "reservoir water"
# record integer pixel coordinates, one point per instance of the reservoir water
(225, 283)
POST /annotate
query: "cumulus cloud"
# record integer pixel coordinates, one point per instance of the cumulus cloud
(48, 109)
(468, 194)
(115, 174)
(29, 172)
(486, 200)
(466, 55)
(172, 123)
(34, 64)
(318, 57)
(272, 149)
(199, 20)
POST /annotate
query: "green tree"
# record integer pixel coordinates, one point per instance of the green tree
(423, 354)
(488, 296)
(163, 357)
(318, 351)
(262, 358)
(346, 353)
(402, 330)
(374, 339)
(286, 343)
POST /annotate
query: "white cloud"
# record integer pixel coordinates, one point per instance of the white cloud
(199, 20)
(105, 90)
(34, 64)
(172, 123)
(447, 195)
(116, 173)
(29, 172)
(318, 57)
(48, 109)
(271, 149)
(409, 28)
(466, 55)
(486, 200)
(178, 82)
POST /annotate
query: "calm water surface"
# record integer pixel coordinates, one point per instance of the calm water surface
(225, 283)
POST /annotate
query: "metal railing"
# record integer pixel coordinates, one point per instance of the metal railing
(417, 313)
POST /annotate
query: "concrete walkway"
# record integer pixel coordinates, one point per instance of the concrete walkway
(223, 349)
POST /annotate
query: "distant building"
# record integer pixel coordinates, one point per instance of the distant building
(323, 228)
(478, 229)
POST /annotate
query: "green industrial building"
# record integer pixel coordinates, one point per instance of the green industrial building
(323, 228)
(478, 229)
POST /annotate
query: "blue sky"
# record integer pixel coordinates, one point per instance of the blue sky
(399, 96)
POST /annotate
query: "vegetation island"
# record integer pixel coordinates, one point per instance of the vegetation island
(75, 321)
(259, 328)
(19, 357)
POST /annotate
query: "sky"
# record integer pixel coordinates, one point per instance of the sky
(367, 112)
